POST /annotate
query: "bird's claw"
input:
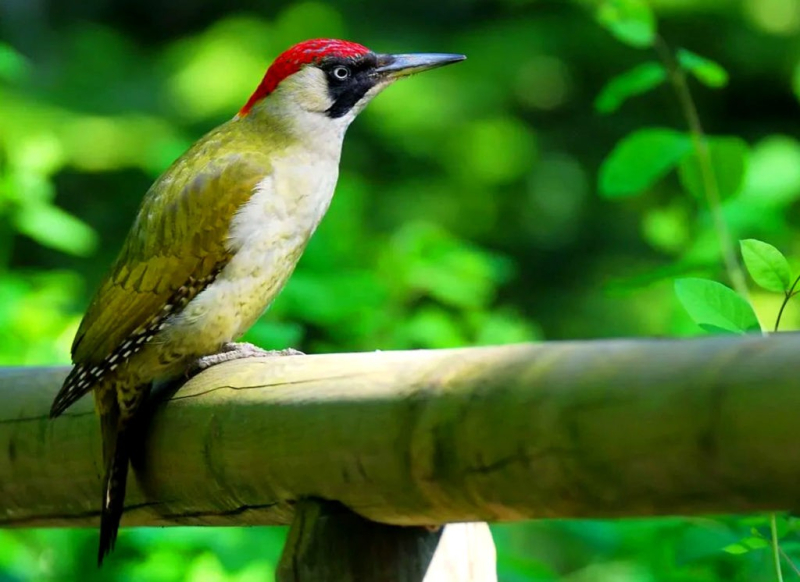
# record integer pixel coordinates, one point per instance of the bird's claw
(236, 351)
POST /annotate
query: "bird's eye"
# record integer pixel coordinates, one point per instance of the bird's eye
(341, 73)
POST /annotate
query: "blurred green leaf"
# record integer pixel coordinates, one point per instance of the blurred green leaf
(712, 304)
(782, 526)
(497, 328)
(53, 227)
(492, 151)
(729, 158)
(257, 571)
(736, 549)
(213, 72)
(636, 81)
(275, 335)
(714, 329)
(704, 70)
(704, 539)
(206, 568)
(13, 66)
(766, 265)
(752, 521)
(519, 568)
(308, 19)
(631, 21)
(452, 271)
(667, 227)
(773, 174)
(16, 558)
(432, 327)
(746, 545)
(160, 564)
(640, 159)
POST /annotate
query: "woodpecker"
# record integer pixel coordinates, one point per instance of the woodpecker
(216, 238)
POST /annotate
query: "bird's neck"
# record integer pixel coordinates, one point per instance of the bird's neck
(309, 130)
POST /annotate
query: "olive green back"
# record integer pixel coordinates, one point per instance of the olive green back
(178, 235)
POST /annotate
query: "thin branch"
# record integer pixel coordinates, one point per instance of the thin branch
(787, 296)
(776, 547)
(790, 562)
(710, 186)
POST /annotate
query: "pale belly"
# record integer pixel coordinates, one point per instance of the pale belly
(268, 237)
(232, 304)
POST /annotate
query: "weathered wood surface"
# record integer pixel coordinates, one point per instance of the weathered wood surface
(589, 429)
(328, 542)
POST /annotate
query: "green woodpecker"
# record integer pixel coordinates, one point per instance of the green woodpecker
(216, 238)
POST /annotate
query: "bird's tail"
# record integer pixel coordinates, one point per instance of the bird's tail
(116, 453)
(79, 381)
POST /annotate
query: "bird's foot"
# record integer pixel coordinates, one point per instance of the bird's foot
(236, 351)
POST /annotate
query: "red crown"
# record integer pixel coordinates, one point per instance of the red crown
(295, 58)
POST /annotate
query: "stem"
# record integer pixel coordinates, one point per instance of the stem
(789, 561)
(776, 548)
(711, 189)
(787, 296)
(710, 186)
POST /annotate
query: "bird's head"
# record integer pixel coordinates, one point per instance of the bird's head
(328, 81)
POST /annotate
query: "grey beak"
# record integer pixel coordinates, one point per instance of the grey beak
(394, 66)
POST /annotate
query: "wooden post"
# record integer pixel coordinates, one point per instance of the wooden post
(329, 542)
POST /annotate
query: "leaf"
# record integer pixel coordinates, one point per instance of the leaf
(753, 521)
(13, 66)
(636, 81)
(703, 540)
(52, 227)
(766, 265)
(746, 545)
(773, 171)
(709, 303)
(782, 526)
(728, 156)
(704, 70)
(640, 159)
(736, 549)
(630, 21)
(667, 228)
(714, 329)
(796, 81)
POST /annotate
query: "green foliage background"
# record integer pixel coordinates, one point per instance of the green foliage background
(471, 210)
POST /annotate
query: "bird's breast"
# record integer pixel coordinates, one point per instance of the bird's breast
(266, 238)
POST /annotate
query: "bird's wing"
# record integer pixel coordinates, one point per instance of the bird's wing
(178, 240)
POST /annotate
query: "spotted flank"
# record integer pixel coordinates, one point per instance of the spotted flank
(84, 377)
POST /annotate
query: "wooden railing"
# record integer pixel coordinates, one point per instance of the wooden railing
(349, 446)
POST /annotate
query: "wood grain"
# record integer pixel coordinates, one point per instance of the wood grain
(563, 429)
